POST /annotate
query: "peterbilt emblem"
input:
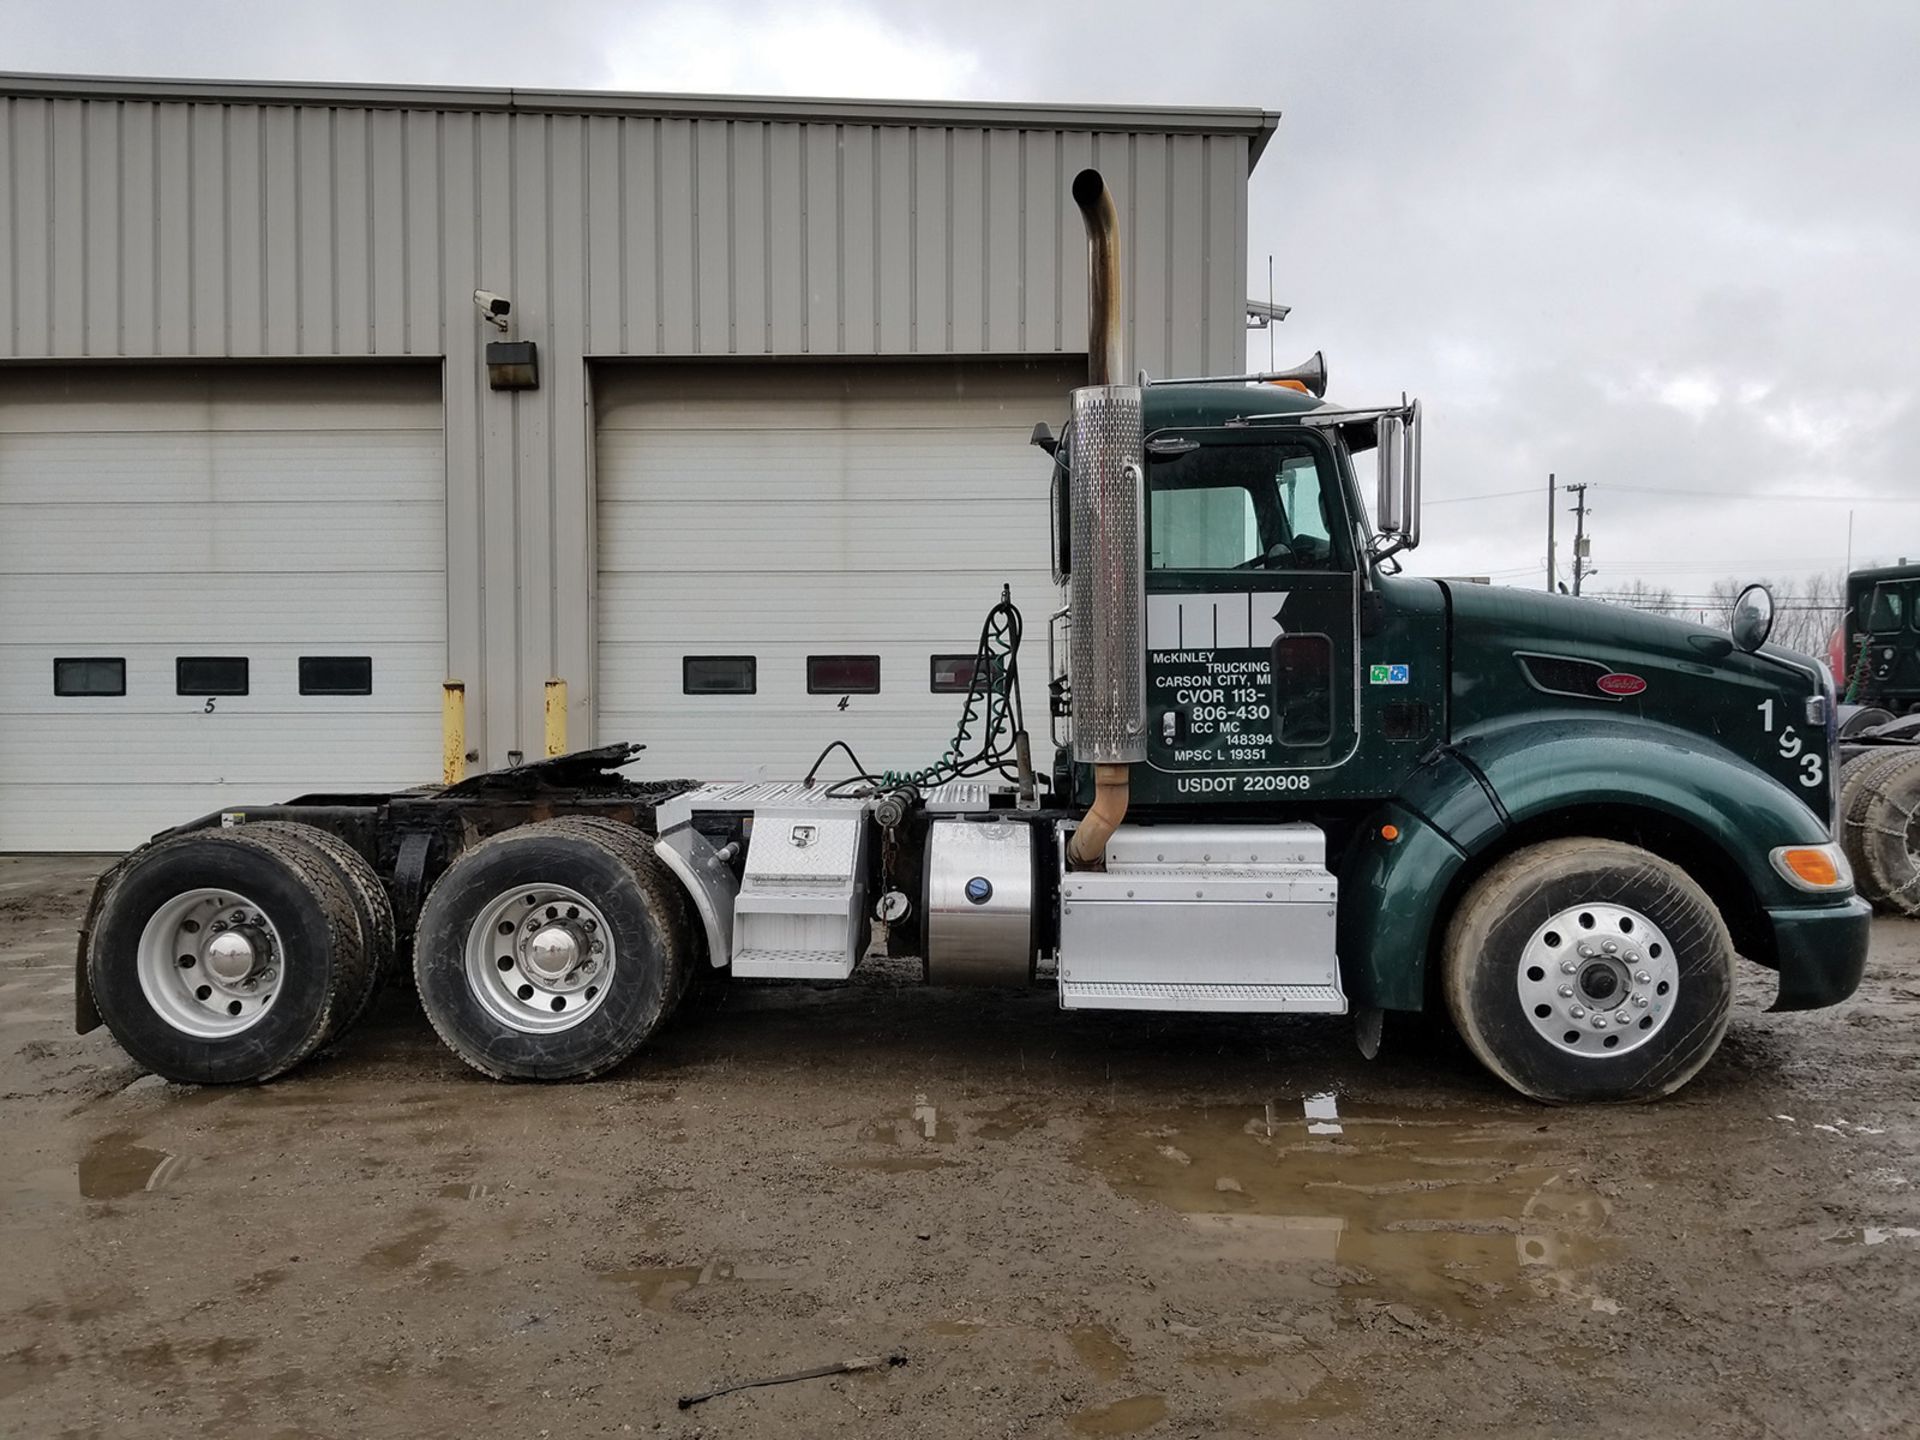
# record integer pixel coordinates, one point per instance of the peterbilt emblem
(1620, 683)
(802, 836)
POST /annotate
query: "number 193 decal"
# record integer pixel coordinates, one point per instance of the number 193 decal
(1812, 764)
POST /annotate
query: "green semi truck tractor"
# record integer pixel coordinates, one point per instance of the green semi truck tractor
(1288, 779)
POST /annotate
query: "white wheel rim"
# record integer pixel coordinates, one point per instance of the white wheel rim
(540, 958)
(210, 963)
(1598, 980)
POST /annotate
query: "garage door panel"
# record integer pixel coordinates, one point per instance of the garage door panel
(226, 748)
(196, 537)
(189, 399)
(355, 611)
(803, 467)
(256, 468)
(265, 513)
(794, 511)
(406, 676)
(828, 611)
(837, 397)
(777, 538)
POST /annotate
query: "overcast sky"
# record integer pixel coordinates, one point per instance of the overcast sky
(1672, 250)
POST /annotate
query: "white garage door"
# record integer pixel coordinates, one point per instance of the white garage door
(759, 526)
(217, 587)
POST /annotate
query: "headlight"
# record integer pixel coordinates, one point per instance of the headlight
(1821, 869)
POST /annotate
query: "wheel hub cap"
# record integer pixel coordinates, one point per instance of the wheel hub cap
(539, 958)
(1598, 980)
(553, 952)
(209, 963)
(230, 956)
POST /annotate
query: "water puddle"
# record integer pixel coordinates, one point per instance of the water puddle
(1122, 1417)
(114, 1167)
(897, 1164)
(1324, 1401)
(660, 1286)
(1875, 1235)
(1097, 1349)
(1465, 1217)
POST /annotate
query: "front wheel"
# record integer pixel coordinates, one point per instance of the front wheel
(1589, 970)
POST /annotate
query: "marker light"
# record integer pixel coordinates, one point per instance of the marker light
(1389, 832)
(1813, 867)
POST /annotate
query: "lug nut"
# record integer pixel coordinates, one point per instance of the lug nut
(1586, 950)
(590, 924)
(1567, 967)
(1566, 992)
(1640, 1002)
(1633, 957)
(1640, 977)
(1610, 948)
(1621, 1017)
(1599, 1022)
(1578, 1012)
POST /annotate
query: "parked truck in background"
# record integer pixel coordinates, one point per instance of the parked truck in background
(1875, 653)
(1289, 779)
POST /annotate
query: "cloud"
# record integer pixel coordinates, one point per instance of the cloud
(831, 50)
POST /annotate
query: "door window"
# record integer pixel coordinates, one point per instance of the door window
(1242, 507)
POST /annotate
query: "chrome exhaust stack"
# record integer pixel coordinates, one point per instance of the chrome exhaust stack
(1106, 591)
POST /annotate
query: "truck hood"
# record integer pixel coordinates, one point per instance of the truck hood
(1520, 656)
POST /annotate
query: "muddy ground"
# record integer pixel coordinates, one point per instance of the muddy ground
(1067, 1225)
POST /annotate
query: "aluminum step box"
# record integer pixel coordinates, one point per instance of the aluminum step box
(1202, 917)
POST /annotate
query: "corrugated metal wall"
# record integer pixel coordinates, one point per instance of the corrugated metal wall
(148, 229)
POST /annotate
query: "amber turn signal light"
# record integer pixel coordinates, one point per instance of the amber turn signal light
(1813, 867)
(1389, 832)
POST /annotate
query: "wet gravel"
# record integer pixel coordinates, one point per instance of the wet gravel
(1070, 1225)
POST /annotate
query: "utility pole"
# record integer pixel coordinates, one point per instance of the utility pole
(1580, 567)
(1551, 487)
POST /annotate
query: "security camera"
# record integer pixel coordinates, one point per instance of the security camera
(493, 308)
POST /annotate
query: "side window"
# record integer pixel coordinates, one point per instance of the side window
(1242, 507)
(90, 676)
(1203, 528)
(210, 675)
(336, 675)
(1887, 611)
(719, 675)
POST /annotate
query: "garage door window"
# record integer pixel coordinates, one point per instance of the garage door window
(90, 676)
(336, 674)
(210, 675)
(718, 675)
(843, 674)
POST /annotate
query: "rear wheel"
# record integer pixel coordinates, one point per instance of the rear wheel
(551, 952)
(225, 956)
(1881, 831)
(1589, 970)
(370, 902)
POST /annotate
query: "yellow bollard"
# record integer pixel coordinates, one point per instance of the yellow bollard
(556, 718)
(453, 732)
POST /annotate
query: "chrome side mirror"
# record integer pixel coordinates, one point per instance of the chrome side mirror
(1397, 510)
(1752, 620)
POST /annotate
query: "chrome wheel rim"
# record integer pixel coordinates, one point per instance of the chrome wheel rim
(540, 958)
(1598, 980)
(210, 963)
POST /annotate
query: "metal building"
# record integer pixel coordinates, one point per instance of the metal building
(258, 499)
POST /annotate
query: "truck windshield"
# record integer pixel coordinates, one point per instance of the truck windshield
(1242, 507)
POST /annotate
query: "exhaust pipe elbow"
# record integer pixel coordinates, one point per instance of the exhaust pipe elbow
(1106, 352)
(1087, 847)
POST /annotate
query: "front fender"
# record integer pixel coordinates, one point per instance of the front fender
(1536, 768)
(1465, 805)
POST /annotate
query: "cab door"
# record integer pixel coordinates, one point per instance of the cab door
(1252, 604)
